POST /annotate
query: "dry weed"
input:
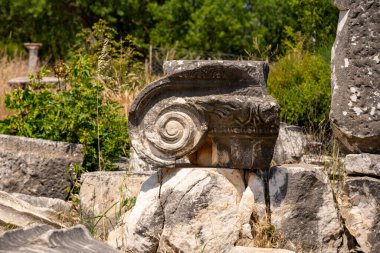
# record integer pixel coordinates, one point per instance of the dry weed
(126, 98)
(264, 235)
(9, 68)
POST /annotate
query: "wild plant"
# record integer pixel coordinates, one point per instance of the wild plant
(81, 108)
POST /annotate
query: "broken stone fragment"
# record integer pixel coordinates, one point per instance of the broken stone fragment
(187, 210)
(290, 145)
(45, 239)
(106, 196)
(362, 165)
(37, 167)
(359, 201)
(58, 205)
(355, 105)
(303, 209)
(215, 112)
(16, 212)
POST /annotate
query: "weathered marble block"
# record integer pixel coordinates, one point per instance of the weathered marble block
(189, 210)
(46, 239)
(105, 194)
(362, 165)
(291, 144)
(360, 209)
(359, 201)
(215, 112)
(37, 167)
(355, 106)
(303, 208)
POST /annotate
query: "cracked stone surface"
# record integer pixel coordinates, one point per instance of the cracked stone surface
(303, 207)
(362, 165)
(46, 239)
(102, 192)
(290, 145)
(37, 167)
(22, 210)
(360, 200)
(355, 105)
(187, 210)
(190, 209)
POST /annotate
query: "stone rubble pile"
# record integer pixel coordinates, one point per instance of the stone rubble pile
(208, 204)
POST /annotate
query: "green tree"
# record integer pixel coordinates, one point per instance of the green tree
(221, 26)
(228, 26)
(202, 25)
(55, 23)
(231, 26)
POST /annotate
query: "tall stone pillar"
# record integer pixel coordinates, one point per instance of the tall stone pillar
(355, 117)
(33, 56)
(355, 79)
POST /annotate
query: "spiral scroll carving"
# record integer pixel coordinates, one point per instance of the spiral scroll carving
(176, 130)
(216, 113)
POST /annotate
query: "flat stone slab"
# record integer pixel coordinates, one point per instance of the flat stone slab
(57, 205)
(45, 239)
(24, 81)
(362, 164)
(17, 212)
(37, 167)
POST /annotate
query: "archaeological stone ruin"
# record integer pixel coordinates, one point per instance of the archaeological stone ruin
(217, 114)
(355, 107)
(37, 167)
(33, 68)
(212, 167)
(355, 118)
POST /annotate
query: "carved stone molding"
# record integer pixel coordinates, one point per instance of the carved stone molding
(215, 112)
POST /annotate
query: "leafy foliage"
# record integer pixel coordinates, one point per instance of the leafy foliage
(228, 26)
(231, 26)
(80, 110)
(55, 23)
(78, 115)
(300, 81)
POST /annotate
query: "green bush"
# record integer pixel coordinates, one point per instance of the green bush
(79, 114)
(80, 109)
(300, 81)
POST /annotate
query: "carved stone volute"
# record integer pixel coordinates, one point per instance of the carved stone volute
(215, 112)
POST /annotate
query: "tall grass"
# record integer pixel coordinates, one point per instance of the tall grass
(10, 67)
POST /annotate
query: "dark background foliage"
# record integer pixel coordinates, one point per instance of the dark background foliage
(228, 26)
